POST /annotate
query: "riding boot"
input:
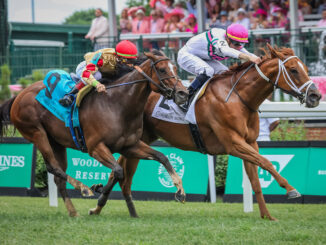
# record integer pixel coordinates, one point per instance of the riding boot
(193, 88)
(74, 77)
(68, 99)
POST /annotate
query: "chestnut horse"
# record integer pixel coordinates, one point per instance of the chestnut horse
(232, 127)
(112, 121)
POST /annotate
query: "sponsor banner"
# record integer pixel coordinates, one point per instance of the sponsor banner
(16, 165)
(291, 163)
(151, 176)
(316, 179)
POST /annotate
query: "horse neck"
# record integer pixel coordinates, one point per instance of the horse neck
(253, 88)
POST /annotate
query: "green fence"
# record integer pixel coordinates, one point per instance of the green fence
(24, 59)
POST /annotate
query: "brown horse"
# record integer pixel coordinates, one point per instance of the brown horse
(111, 121)
(232, 127)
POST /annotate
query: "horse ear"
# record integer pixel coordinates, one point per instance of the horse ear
(150, 55)
(274, 53)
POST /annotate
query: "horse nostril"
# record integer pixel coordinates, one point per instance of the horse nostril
(314, 97)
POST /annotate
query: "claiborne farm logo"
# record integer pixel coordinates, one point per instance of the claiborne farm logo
(178, 165)
(279, 162)
(7, 162)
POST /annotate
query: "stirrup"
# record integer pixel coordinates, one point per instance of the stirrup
(66, 101)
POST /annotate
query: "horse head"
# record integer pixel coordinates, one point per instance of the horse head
(165, 77)
(288, 73)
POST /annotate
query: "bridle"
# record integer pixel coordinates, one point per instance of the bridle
(166, 91)
(296, 92)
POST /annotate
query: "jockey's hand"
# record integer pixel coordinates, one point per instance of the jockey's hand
(100, 87)
(255, 59)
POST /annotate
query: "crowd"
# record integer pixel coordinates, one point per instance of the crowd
(181, 16)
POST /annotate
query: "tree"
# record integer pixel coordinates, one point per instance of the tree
(4, 83)
(82, 17)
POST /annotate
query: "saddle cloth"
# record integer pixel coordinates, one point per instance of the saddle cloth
(167, 110)
(58, 83)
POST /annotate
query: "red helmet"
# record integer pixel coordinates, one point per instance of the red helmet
(126, 49)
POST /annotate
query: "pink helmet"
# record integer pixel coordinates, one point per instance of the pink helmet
(237, 32)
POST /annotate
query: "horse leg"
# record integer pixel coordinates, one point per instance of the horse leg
(41, 141)
(252, 173)
(143, 151)
(60, 154)
(240, 148)
(104, 156)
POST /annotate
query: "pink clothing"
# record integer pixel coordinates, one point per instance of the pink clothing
(140, 26)
(194, 30)
(157, 26)
(321, 23)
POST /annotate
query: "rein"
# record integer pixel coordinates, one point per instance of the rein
(168, 92)
(296, 91)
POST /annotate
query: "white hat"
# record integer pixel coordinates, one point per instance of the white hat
(241, 10)
(140, 11)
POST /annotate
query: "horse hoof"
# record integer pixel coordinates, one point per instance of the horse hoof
(97, 188)
(93, 211)
(180, 197)
(86, 192)
(293, 194)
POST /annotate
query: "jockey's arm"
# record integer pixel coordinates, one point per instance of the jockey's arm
(252, 57)
(87, 76)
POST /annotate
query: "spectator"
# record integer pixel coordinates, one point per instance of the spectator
(140, 25)
(125, 23)
(99, 31)
(180, 6)
(157, 26)
(132, 12)
(266, 126)
(321, 7)
(169, 6)
(223, 22)
(191, 24)
(279, 20)
(305, 7)
(191, 6)
(322, 22)
(213, 8)
(234, 6)
(173, 21)
(214, 14)
(157, 4)
(260, 21)
(242, 18)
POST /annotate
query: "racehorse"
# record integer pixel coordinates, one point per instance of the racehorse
(232, 127)
(112, 121)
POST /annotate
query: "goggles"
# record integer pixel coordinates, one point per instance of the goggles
(237, 44)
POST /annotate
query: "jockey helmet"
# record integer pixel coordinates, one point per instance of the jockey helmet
(238, 33)
(126, 49)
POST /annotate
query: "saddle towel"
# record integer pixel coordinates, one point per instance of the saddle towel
(57, 84)
(167, 110)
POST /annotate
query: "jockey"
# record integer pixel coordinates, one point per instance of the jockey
(102, 61)
(202, 54)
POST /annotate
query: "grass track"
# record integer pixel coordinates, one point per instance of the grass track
(25, 220)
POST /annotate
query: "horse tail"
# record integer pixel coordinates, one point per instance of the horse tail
(5, 115)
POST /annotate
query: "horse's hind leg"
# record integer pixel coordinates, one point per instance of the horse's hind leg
(40, 139)
(60, 154)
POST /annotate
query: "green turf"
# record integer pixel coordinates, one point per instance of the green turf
(26, 220)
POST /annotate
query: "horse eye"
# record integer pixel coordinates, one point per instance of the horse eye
(294, 71)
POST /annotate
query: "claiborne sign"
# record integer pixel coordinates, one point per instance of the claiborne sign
(16, 165)
(150, 176)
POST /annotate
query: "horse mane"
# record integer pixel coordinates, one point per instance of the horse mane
(269, 54)
(123, 69)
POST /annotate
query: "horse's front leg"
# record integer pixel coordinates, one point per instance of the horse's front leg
(143, 151)
(252, 173)
(240, 148)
